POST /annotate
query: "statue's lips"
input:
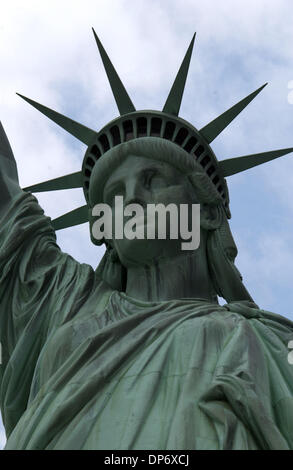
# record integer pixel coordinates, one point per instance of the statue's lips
(143, 217)
(146, 227)
(140, 220)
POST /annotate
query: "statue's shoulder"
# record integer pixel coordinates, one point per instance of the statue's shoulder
(251, 310)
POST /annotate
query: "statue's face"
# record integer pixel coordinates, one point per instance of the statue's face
(145, 181)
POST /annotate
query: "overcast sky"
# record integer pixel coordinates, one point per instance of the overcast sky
(48, 53)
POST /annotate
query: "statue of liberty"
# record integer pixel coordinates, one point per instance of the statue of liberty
(137, 354)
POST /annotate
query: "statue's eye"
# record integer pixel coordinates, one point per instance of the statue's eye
(149, 177)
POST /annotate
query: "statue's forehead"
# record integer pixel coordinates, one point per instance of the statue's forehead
(133, 164)
(133, 160)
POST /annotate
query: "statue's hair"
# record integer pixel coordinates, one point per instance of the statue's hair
(221, 248)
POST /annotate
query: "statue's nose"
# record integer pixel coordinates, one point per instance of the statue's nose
(136, 200)
(134, 194)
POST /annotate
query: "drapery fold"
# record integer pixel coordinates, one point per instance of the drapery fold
(86, 367)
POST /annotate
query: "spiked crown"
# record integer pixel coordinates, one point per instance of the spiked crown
(166, 124)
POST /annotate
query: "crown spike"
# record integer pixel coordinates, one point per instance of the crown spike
(82, 133)
(76, 217)
(5, 149)
(121, 96)
(74, 180)
(215, 127)
(173, 102)
(231, 166)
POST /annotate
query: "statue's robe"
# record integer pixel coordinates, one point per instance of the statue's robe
(86, 367)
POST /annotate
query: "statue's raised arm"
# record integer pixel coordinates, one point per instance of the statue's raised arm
(40, 287)
(9, 186)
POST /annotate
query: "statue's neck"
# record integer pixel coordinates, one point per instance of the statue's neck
(185, 276)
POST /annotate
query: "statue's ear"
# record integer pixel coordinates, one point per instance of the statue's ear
(210, 200)
(210, 216)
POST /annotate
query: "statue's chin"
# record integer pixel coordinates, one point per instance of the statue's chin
(145, 252)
